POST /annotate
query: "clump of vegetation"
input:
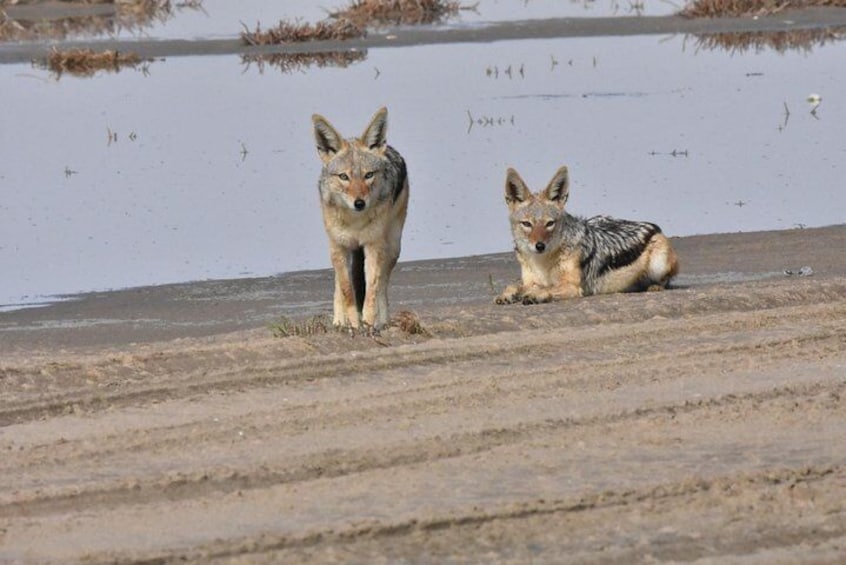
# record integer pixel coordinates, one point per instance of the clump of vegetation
(408, 322)
(735, 8)
(781, 41)
(286, 327)
(351, 22)
(291, 62)
(398, 12)
(86, 62)
(288, 32)
(84, 17)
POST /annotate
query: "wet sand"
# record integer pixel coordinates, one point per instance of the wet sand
(704, 422)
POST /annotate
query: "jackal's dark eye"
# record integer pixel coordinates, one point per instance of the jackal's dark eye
(344, 176)
(526, 224)
(550, 223)
(369, 174)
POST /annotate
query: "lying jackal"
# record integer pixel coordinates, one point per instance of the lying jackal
(564, 256)
(364, 198)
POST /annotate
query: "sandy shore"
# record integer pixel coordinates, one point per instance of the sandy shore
(703, 422)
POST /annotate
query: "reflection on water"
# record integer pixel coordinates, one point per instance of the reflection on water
(205, 168)
(300, 62)
(780, 41)
(86, 63)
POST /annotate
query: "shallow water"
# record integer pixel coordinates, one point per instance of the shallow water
(215, 19)
(203, 167)
(222, 18)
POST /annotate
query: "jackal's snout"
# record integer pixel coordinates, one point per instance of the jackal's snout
(358, 191)
(540, 235)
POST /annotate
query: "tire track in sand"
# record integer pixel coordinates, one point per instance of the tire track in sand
(437, 396)
(376, 536)
(647, 417)
(336, 463)
(264, 373)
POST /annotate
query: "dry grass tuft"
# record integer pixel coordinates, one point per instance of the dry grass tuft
(735, 8)
(19, 22)
(781, 41)
(398, 12)
(287, 32)
(351, 22)
(408, 322)
(292, 62)
(286, 327)
(86, 62)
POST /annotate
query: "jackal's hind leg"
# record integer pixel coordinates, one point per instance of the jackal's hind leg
(663, 263)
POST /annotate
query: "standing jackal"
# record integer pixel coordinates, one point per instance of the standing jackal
(364, 197)
(564, 256)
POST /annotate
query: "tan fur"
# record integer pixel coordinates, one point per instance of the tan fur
(377, 228)
(658, 258)
(555, 272)
(552, 276)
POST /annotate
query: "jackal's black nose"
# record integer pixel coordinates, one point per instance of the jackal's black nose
(540, 246)
(359, 204)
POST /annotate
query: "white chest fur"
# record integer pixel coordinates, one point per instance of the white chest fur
(540, 269)
(353, 229)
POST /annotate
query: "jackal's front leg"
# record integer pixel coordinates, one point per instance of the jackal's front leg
(540, 294)
(345, 311)
(379, 261)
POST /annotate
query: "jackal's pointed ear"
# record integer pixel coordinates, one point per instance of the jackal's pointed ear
(375, 136)
(558, 189)
(329, 141)
(516, 191)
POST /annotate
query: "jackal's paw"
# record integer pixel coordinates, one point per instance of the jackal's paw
(371, 331)
(511, 295)
(345, 328)
(536, 298)
(364, 329)
(507, 298)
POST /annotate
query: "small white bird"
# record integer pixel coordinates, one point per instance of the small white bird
(814, 100)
